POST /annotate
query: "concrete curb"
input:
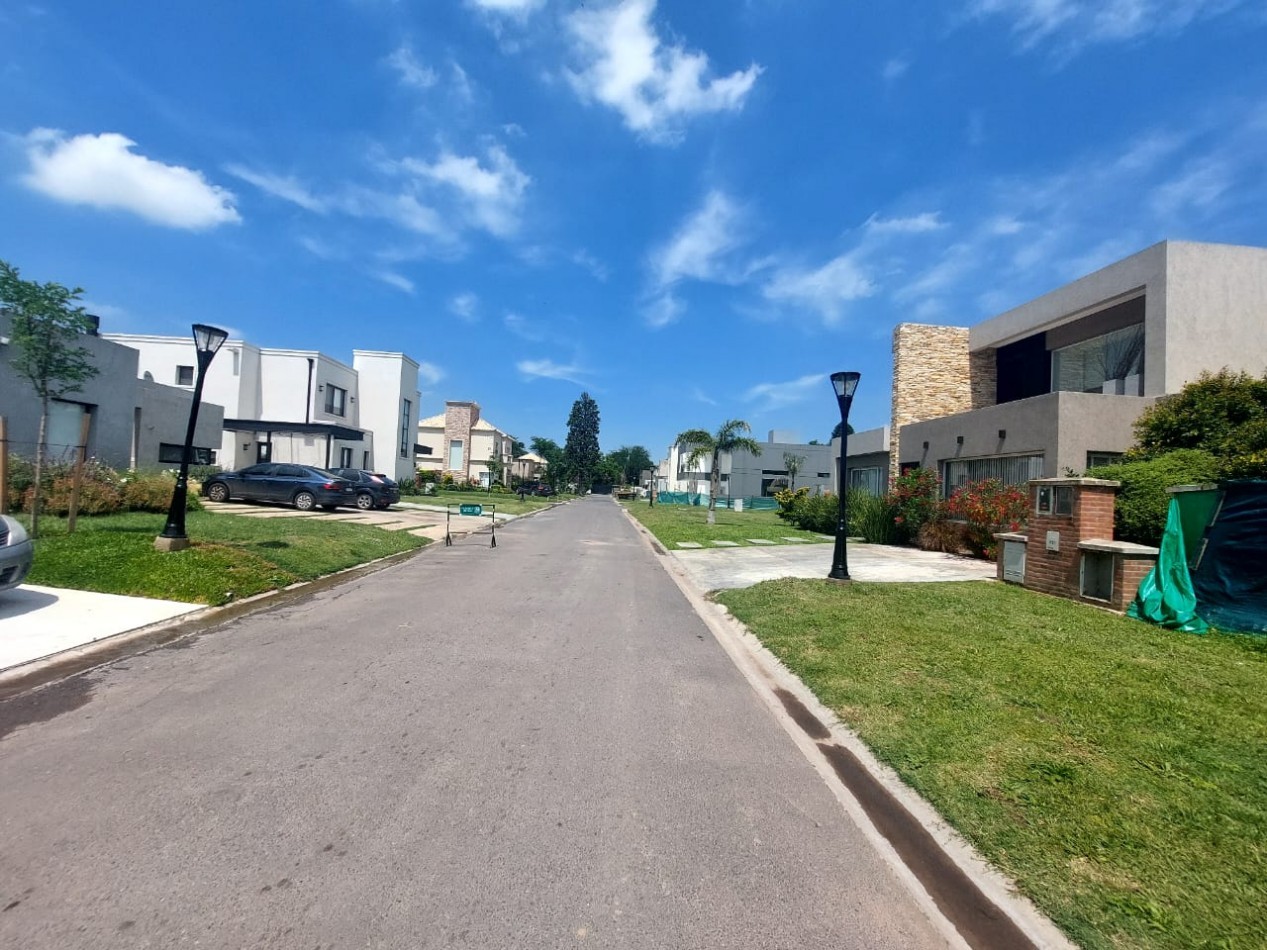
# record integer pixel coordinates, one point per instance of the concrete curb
(769, 678)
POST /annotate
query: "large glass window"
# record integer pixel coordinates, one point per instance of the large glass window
(336, 400)
(455, 455)
(871, 480)
(1009, 469)
(1112, 363)
(405, 408)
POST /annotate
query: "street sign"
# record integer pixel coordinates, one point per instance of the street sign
(470, 509)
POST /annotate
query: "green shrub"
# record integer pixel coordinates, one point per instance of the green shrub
(153, 492)
(1139, 513)
(95, 497)
(871, 517)
(816, 513)
(788, 500)
(1246, 465)
(944, 535)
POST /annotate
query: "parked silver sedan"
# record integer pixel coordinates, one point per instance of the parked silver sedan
(16, 553)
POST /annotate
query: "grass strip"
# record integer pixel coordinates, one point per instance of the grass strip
(673, 523)
(1117, 772)
(231, 556)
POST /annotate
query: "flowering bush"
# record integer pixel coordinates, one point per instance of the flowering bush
(914, 500)
(789, 500)
(987, 507)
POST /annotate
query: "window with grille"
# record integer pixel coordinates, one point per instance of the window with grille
(1009, 469)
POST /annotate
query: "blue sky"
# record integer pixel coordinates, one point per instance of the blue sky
(693, 209)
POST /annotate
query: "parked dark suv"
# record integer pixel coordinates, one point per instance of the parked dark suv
(373, 489)
(303, 486)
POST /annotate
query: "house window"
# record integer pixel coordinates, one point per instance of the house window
(336, 400)
(1096, 459)
(1009, 469)
(184, 375)
(455, 455)
(345, 457)
(170, 453)
(1112, 363)
(1055, 500)
(365, 460)
(405, 408)
(870, 480)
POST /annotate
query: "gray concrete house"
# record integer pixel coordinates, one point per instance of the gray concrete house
(744, 475)
(133, 423)
(1057, 383)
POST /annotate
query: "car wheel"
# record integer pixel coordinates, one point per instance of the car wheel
(218, 491)
(305, 501)
(364, 501)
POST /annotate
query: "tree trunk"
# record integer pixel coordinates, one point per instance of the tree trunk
(715, 485)
(40, 449)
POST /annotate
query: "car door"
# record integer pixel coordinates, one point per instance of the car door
(252, 482)
(287, 481)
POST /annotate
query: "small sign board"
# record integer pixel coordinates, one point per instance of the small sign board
(470, 509)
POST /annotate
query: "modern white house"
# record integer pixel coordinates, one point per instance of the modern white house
(298, 405)
(131, 422)
(1056, 384)
(460, 443)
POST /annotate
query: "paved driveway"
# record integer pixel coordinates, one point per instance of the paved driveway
(742, 567)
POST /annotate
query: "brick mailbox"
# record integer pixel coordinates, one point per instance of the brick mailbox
(1068, 549)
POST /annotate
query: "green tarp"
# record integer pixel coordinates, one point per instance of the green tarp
(753, 503)
(1230, 578)
(1165, 596)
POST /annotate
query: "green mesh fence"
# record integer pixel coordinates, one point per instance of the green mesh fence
(752, 503)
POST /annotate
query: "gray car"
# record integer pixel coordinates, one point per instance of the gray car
(16, 553)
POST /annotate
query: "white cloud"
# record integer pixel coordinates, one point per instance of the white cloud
(1073, 24)
(409, 70)
(702, 249)
(279, 186)
(102, 171)
(464, 306)
(700, 396)
(507, 7)
(652, 84)
(548, 369)
(584, 258)
(895, 69)
(915, 224)
(392, 279)
(492, 194)
(429, 373)
(769, 397)
(825, 290)
(522, 327)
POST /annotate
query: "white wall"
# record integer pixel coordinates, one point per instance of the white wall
(387, 381)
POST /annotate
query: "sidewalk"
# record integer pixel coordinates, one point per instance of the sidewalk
(36, 622)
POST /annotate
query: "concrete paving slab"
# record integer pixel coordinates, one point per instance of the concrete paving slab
(726, 544)
(759, 541)
(743, 567)
(36, 622)
(796, 540)
(689, 544)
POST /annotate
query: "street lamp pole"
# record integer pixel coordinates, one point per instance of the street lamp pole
(207, 341)
(845, 384)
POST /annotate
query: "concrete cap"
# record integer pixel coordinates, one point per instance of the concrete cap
(1087, 482)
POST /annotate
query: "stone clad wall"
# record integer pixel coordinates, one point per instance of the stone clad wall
(932, 377)
(458, 419)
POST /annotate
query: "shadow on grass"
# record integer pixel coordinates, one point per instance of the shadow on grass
(271, 544)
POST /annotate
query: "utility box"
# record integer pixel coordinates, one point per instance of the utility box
(1014, 562)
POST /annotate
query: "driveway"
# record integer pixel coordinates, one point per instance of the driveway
(727, 568)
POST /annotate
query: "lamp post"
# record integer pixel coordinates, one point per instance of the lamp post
(207, 341)
(844, 384)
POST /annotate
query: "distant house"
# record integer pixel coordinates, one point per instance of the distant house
(529, 467)
(744, 475)
(1056, 384)
(460, 443)
(132, 422)
(299, 405)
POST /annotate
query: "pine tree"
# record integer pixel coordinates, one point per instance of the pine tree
(581, 453)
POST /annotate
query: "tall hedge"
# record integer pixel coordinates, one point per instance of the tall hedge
(1140, 512)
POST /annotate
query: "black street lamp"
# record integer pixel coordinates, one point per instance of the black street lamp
(207, 341)
(844, 384)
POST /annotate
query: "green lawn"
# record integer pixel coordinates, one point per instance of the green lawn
(506, 504)
(232, 557)
(673, 523)
(1116, 771)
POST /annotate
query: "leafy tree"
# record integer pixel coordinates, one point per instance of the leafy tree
(580, 451)
(631, 461)
(496, 469)
(835, 433)
(517, 448)
(46, 325)
(608, 471)
(549, 450)
(1222, 413)
(701, 444)
(792, 462)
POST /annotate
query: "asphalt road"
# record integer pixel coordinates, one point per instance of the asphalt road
(533, 746)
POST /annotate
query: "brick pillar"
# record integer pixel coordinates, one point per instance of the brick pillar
(1089, 518)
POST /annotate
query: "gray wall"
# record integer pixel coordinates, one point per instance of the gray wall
(747, 472)
(1062, 426)
(113, 396)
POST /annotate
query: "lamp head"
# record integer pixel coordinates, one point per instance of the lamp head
(845, 384)
(208, 339)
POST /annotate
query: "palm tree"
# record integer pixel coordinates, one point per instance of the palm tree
(700, 444)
